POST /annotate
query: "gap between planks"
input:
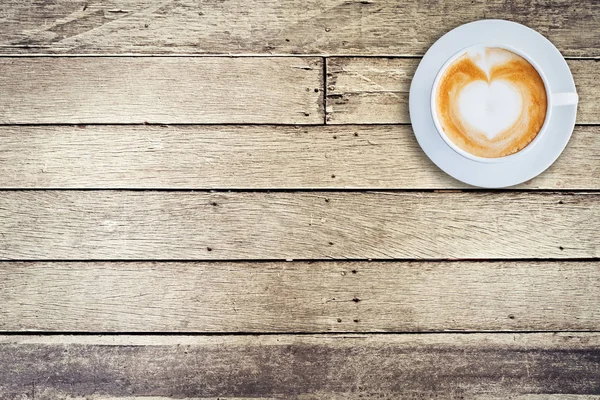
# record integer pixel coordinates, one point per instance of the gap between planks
(249, 55)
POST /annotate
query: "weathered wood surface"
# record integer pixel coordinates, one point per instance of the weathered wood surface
(373, 27)
(300, 367)
(43, 225)
(375, 90)
(161, 90)
(299, 296)
(250, 157)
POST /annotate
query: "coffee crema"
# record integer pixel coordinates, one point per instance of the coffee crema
(491, 102)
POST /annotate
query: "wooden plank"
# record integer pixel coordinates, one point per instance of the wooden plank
(43, 225)
(161, 90)
(375, 90)
(447, 366)
(299, 296)
(369, 90)
(518, 397)
(250, 157)
(373, 27)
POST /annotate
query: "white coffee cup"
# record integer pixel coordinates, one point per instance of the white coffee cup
(554, 100)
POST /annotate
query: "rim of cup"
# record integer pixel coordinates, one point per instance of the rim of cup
(466, 154)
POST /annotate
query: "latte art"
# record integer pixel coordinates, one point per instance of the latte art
(491, 102)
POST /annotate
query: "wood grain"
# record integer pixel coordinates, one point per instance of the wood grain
(375, 90)
(447, 366)
(299, 296)
(46, 225)
(161, 90)
(250, 157)
(373, 27)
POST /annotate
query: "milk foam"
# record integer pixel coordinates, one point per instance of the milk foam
(486, 59)
(490, 108)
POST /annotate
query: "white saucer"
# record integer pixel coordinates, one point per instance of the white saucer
(517, 169)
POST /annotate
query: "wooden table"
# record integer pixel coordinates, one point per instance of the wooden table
(224, 199)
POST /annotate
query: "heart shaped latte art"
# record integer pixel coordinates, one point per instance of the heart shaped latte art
(491, 108)
(491, 102)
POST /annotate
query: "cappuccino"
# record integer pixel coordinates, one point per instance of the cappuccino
(491, 102)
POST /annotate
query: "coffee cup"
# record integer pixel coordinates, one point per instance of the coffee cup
(491, 103)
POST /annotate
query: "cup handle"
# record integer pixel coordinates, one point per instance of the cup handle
(564, 99)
